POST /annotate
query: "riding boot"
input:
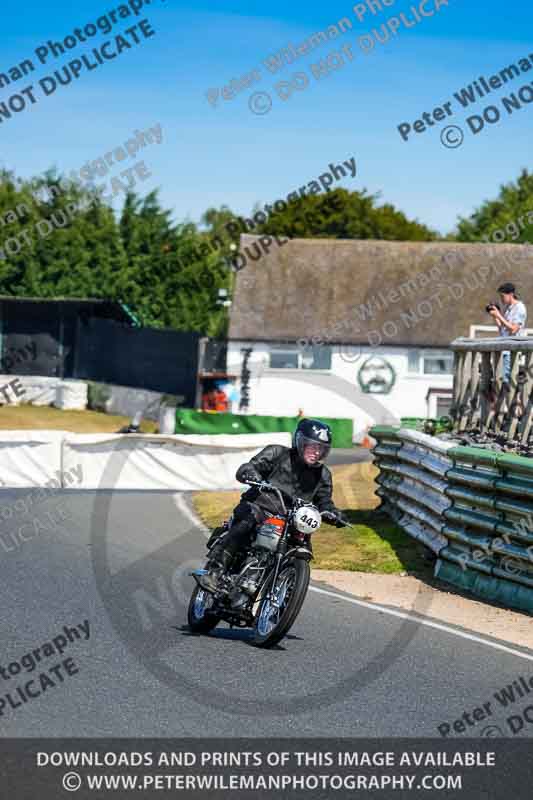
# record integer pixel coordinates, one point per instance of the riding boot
(219, 562)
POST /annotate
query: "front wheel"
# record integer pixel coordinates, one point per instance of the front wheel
(281, 605)
(200, 616)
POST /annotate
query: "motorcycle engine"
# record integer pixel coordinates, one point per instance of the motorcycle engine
(237, 598)
(246, 586)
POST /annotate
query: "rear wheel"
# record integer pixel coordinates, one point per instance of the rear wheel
(279, 608)
(200, 616)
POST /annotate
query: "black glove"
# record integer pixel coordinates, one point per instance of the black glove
(250, 475)
(335, 518)
(341, 522)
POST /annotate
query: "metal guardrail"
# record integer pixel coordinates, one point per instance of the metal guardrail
(472, 506)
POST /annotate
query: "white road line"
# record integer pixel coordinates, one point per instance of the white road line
(423, 621)
(196, 522)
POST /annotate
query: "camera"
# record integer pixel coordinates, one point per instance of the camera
(490, 306)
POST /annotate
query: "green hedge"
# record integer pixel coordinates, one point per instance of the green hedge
(420, 423)
(190, 421)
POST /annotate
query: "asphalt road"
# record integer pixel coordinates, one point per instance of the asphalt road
(347, 668)
(352, 455)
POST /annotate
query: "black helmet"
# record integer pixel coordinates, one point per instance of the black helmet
(312, 431)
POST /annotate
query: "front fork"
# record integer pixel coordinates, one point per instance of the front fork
(270, 595)
(280, 555)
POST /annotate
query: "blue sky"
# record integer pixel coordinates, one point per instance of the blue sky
(226, 154)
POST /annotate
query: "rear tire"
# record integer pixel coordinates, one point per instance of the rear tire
(293, 580)
(199, 616)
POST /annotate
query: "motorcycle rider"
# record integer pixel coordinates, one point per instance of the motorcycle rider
(296, 471)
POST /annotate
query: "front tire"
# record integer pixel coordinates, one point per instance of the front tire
(272, 623)
(200, 616)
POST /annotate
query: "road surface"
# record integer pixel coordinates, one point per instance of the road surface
(345, 455)
(119, 561)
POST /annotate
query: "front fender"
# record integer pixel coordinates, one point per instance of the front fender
(299, 552)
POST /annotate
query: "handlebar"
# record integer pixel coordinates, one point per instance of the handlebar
(268, 487)
(265, 486)
(329, 516)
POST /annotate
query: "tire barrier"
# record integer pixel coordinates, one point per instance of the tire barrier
(473, 507)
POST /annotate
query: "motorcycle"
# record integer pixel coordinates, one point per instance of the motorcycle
(267, 589)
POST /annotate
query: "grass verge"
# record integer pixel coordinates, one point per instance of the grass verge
(28, 417)
(375, 544)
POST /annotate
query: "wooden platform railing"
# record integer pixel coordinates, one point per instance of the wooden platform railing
(482, 401)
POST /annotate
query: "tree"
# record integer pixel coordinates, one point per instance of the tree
(70, 242)
(216, 219)
(345, 215)
(169, 275)
(174, 283)
(60, 239)
(507, 218)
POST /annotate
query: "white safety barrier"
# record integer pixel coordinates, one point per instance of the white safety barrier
(179, 463)
(71, 395)
(44, 391)
(30, 458)
(129, 461)
(40, 391)
(167, 419)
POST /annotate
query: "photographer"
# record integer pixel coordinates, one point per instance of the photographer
(510, 320)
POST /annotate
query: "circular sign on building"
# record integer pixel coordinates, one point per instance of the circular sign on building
(376, 376)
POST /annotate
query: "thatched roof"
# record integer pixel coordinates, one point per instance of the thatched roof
(424, 293)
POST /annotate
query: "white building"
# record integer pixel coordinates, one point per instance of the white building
(360, 329)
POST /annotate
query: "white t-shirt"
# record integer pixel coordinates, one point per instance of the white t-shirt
(516, 314)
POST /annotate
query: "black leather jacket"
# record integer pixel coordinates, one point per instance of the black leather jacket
(282, 467)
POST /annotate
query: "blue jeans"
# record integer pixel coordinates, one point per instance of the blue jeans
(507, 367)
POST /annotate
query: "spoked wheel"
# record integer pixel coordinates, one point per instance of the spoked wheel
(201, 616)
(279, 608)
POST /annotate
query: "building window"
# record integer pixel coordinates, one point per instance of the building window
(438, 364)
(439, 402)
(316, 358)
(413, 361)
(288, 357)
(444, 404)
(420, 362)
(283, 358)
